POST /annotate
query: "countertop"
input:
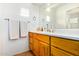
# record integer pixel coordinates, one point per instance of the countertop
(60, 34)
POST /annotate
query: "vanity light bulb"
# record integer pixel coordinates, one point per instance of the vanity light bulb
(48, 4)
(48, 9)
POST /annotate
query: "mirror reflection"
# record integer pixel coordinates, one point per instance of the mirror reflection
(59, 15)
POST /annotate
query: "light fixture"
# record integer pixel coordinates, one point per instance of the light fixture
(48, 4)
(48, 9)
(47, 18)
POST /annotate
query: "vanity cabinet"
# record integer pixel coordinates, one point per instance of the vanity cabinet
(45, 45)
(34, 44)
(39, 44)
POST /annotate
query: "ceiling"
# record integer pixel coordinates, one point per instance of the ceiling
(48, 5)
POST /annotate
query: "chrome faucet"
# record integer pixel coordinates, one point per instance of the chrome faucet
(47, 27)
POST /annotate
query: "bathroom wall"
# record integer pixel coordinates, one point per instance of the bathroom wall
(12, 11)
(34, 22)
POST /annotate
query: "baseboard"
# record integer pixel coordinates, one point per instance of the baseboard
(22, 52)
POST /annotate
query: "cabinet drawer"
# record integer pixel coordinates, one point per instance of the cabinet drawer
(65, 44)
(58, 52)
(43, 38)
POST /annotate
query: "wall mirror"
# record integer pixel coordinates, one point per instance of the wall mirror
(73, 18)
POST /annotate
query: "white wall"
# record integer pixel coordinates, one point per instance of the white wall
(61, 16)
(34, 24)
(11, 47)
(3, 36)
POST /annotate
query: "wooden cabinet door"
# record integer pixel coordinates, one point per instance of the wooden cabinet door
(43, 49)
(31, 41)
(47, 50)
(66, 44)
(58, 52)
(36, 47)
(31, 44)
